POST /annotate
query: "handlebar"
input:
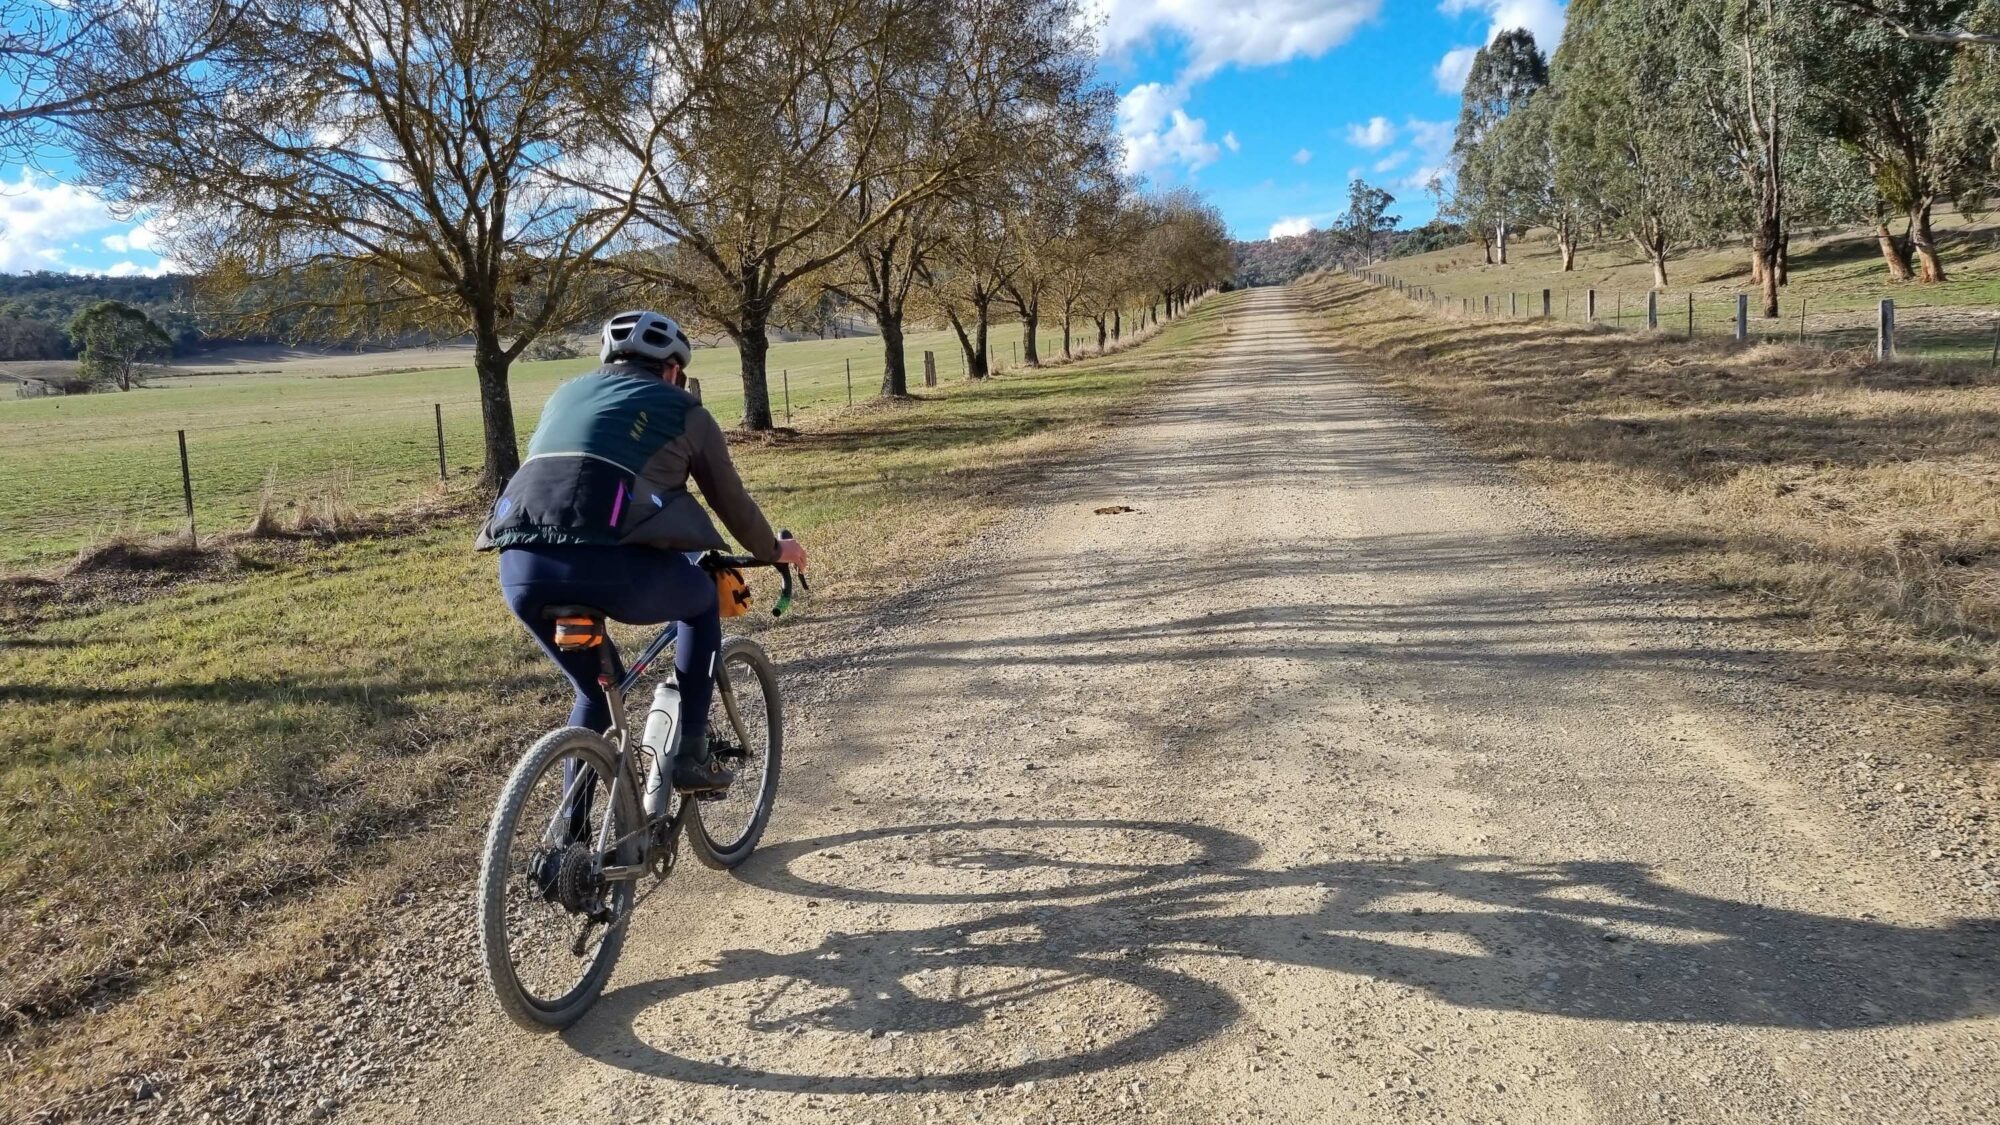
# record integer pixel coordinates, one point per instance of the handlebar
(784, 570)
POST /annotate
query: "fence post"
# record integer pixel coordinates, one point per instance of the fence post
(1545, 304)
(930, 370)
(1802, 320)
(1513, 304)
(1885, 330)
(850, 381)
(1489, 303)
(788, 395)
(187, 488)
(1690, 316)
(1996, 348)
(1742, 317)
(1590, 306)
(1652, 310)
(437, 408)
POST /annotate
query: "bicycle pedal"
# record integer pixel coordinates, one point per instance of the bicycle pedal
(710, 795)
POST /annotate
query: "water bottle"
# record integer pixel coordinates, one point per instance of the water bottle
(662, 735)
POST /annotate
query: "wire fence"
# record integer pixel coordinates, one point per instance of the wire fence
(307, 452)
(1908, 329)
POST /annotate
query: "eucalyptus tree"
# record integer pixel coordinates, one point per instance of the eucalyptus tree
(1504, 76)
(364, 167)
(1887, 95)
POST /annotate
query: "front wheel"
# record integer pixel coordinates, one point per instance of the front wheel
(746, 732)
(550, 927)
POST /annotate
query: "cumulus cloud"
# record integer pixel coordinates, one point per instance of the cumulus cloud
(1389, 162)
(1544, 18)
(1157, 133)
(1303, 156)
(1230, 142)
(1219, 33)
(1291, 227)
(41, 219)
(145, 238)
(1374, 133)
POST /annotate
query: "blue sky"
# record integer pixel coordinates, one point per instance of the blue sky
(1267, 107)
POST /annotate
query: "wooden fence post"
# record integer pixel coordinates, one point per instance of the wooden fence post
(1885, 330)
(187, 488)
(850, 381)
(1652, 310)
(1545, 304)
(1590, 306)
(1489, 303)
(1690, 316)
(930, 370)
(1742, 317)
(788, 395)
(438, 409)
(1513, 304)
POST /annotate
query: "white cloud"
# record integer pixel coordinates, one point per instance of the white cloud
(1291, 228)
(1230, 142)
(40, 220)
(1219, 33)
(1303, 156)
(1376, 133)
(1450, 72)
(1158, 134)
(1389, 162)
(1544, 18)
(144, 238)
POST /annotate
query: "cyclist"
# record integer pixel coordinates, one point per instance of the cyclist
(599, 515)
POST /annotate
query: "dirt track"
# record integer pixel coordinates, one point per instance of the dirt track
(1334, 783)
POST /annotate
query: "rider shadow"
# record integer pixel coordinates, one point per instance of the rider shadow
(1124, 945)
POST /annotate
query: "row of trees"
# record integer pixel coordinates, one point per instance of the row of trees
(1674, 123)
(511, 169)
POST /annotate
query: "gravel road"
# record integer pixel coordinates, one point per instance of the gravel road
(1334, 782)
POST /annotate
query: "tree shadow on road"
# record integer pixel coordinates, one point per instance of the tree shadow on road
(1593, 940)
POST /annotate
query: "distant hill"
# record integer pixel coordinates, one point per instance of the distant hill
(1278, 261)
(35, 309)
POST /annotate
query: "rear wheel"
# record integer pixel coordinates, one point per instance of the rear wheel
(550, 928)
(746, 731)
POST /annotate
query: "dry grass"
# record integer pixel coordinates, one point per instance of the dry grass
(1867, 493)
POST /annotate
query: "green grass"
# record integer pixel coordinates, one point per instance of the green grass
(76, 470)
(1836, 281)
(175, 758)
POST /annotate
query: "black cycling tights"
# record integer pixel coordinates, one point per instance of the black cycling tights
(636, 585)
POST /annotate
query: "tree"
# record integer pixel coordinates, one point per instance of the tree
(112, 340)
(1886, 95)
(379, 166)
(1367, 219)
(66, 61)
(770, 123)
(1504, 75)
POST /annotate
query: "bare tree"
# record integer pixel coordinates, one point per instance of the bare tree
(63, 61)
(379, 166)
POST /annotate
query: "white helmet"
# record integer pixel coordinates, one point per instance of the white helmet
(646, 335)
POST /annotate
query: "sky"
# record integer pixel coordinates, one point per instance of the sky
(1267, 107)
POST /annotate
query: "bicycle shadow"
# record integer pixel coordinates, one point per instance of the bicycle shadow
(1123, 943)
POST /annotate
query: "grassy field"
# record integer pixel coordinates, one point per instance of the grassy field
(1836, 282)
(1865, 495)
(78, 470)
(181, 755)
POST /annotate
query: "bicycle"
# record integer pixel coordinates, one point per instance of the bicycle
(615, 819)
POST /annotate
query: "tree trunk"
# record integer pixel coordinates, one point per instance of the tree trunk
(964, 341)
(981, 361)
(496, 409)
(1765, 265)
(1500, 242)
(1486, 245)
(1117, 325)
(1099, 321)
(1928, 266)
(753, 348)
(1785, 257)
(895, 369)
(1756, 264)
(1031, 323)
(1066, 333)
(1566, 244)
(1892, 252)
(1655, 247)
